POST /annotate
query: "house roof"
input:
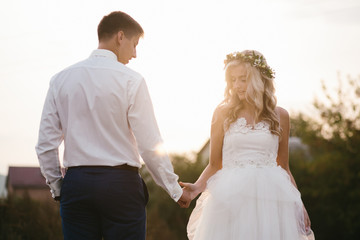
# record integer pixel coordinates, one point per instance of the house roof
(25, 177)
(204, 147)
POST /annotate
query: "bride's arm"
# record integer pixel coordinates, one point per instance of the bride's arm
(283, 152)
(215, 160)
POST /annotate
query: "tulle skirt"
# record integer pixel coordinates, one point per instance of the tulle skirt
(248, 203)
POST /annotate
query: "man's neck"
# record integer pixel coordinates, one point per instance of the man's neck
(107, 46)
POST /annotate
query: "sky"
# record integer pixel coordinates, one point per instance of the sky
(181, 57)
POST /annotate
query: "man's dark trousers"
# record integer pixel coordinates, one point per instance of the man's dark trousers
(103, 202)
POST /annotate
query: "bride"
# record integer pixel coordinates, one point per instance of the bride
(248, 191)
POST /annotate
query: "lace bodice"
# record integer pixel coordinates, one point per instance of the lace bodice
(249, 146)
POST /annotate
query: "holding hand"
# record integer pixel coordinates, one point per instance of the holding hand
(307, 220)
(190, 191)
(185, 200)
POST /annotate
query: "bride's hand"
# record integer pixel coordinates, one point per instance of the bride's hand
(191, 188)
(307, 220)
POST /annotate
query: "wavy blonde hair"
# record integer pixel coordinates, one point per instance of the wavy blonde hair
(260, 93)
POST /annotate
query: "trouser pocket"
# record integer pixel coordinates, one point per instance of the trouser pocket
(146, 192)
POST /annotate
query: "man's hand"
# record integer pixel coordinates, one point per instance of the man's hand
(185, 199)
(190, 191)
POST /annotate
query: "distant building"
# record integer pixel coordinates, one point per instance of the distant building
(29, 181)
(295, 144)
(204, 153)
(3, 192)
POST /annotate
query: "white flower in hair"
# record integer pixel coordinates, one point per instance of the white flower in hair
(255, 60)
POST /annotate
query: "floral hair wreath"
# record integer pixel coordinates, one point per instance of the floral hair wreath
(255, 61)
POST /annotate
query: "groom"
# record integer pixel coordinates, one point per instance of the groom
(102, 111)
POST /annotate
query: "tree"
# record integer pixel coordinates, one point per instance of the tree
(330, 183)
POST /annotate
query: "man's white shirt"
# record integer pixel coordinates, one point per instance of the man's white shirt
(102, 111)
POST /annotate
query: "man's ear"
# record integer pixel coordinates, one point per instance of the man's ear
(120, 36)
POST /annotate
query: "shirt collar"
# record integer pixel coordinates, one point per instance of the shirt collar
(103, 53)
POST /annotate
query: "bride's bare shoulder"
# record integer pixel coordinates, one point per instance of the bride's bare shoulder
(219, 115)
(281, 112)
(283, 117)
(220, 111)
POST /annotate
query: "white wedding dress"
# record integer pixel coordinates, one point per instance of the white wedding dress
(251, 197)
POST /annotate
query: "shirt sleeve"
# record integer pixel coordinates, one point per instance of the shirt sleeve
(144, 126)
(50, 138)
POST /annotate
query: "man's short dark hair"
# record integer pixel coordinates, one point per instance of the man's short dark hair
(118, 21)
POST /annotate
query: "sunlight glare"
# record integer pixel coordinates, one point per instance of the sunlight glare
(160, 149)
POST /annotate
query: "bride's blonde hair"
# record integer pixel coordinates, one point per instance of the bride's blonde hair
(260, 92)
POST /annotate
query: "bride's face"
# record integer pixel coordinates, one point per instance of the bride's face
(238, 79)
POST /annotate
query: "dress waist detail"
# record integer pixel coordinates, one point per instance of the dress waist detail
(253, 162)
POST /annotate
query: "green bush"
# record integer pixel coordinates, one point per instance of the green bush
(26, 219)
